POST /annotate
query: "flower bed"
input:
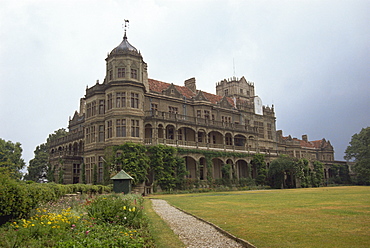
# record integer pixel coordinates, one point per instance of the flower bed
(113, 220)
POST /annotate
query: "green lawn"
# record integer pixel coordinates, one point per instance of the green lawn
(313, 217)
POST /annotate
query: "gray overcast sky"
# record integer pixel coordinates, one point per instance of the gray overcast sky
(311, 59)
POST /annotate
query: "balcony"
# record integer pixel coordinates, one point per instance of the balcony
(203, 122)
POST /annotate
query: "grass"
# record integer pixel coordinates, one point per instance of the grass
(161, 233)
(313, 217)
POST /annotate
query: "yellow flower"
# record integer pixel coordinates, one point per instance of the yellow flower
(124, 207)
(133, 209)
(49, 223)
(33, 225)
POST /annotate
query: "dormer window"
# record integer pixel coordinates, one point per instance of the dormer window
(134, 73)
(121, 72)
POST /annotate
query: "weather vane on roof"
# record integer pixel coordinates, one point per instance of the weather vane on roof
(125, 27)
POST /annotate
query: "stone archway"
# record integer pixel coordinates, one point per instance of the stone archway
(217, 168)
(243, 169)
(191, 167)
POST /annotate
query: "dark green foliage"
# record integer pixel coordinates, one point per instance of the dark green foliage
(281, 172)
(83, 173)
(117, 209)
(95, 174)
(132, 158)
(18, 198)
(259, 162)
(359, 151)
(287, 172)
(318, 174)
(38, 164)
(341, 174)
(11, 157)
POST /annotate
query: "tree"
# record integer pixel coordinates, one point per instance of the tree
(11, 157)
(259, 162)
(359, 152)
(318, 174)
(38, 164)
(282, 172)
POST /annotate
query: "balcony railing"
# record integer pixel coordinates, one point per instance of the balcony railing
(172, 117)
(68, 138)
(208, 146)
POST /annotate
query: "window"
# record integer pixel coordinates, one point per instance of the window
(87, 135)
(226, 119)
(241, 91)
(110, 101)
(93, 108)
(92, 132)
(76, 173)
(101, 107)
(261, 130)
(101, 133)
(120, 99)
(88, 110)
(110, 74)
(134, 128)
(269, 131)
(154, 107)
(226, 92)
(206, 114)
(173, 111)
(200, 137)
(110, 129)
(134, 73)
(228, 140)
(121, 72)
(134, 100)
(179, 134)
(121, 128)
(199, 114)
(76, 169)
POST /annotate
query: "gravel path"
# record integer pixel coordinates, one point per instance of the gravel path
(193, 232)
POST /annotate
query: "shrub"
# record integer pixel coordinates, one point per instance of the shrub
(117, 209)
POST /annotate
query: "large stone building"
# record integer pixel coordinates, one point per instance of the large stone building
(128, 106)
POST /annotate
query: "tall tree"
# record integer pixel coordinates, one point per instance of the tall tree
(11, 157)
(359, 151)
(259, 163)
(38, 164)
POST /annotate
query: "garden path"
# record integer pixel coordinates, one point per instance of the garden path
(192, 231)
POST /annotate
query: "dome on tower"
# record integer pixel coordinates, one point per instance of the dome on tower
(124, 47)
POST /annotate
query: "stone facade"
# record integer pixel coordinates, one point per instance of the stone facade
(128, 106)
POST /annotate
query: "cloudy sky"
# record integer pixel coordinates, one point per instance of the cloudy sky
(311, 59)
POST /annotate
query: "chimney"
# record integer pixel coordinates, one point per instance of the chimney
(305, 138)
(190, 83)
(82, 106)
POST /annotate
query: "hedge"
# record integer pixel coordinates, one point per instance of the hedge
(18, 198)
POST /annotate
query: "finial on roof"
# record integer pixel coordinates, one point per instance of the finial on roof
(125, 28)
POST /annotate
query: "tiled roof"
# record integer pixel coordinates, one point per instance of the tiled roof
(212, 98)
(159, 86)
